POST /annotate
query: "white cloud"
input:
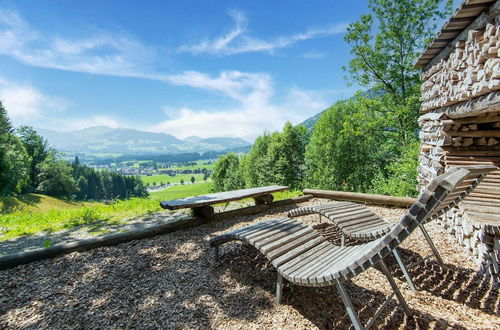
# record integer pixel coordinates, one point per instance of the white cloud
(238, 40)
(25, 103)
(238, 85)
(103, 53)
(255, 113)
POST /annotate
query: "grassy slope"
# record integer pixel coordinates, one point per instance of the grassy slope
(33, 213)
(30, 214)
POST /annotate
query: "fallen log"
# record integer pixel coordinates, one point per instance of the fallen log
(361, 197)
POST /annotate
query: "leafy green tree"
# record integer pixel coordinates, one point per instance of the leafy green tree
(182, 181)
(13, 167)
(13, 158)
(227, 174)
(401, 179)
(257, 167)
(193, 179)
(38, 150)
(336, 157)
(286, 153)
(206, 176)
(5, 124)
(385, 45)
(55, 177)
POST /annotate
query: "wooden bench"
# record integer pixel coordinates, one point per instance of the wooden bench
(201, 205)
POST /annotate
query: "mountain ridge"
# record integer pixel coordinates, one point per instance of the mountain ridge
(103, 139)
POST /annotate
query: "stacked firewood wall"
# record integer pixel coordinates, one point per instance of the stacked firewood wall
(442, 148)
(458, 129)
(480, 243)
(471, 70)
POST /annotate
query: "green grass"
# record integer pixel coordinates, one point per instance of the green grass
(172, 179)
(33, 213)
(181, 191)
(50, 214)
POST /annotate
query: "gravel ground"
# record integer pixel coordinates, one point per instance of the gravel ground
(171, 281)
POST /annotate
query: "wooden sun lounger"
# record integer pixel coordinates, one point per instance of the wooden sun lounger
(201, 205)
(304, 257)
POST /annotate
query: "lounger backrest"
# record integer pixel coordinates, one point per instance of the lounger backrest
(442, 193)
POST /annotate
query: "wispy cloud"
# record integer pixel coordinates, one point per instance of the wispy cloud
(24, 103)
(254, 113)
(238, 40)
(241, 86)
(103, 53)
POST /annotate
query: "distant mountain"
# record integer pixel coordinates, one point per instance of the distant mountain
(311, 121)
(228, 142)
(104, 139)
(193, 139)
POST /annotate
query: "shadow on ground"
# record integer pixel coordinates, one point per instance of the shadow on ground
(173, 281)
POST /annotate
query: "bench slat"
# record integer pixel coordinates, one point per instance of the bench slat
(220, 197)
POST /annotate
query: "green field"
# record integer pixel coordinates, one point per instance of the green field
(181, 191)
(172, 179)
(199, 164)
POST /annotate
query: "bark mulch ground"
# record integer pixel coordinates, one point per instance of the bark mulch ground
(171, 281)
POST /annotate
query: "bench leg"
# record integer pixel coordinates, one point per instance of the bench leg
(216, 252)
(353, 315)
(279, 288)
(203, 211)
(263, 199)
(404, 269)
(433, 247)
(395, 289)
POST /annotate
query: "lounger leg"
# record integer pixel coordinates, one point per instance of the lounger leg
(342, 240)
(216, 252)
(320, 218)
(404, 270)
(279, 288)
(432, 246)
(395, 288)
(348, 305)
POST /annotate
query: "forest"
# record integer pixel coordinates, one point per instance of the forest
(368, 143)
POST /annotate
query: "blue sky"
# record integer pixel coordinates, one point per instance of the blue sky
(206, 68)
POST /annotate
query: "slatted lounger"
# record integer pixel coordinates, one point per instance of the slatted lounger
(360, 223)
(304, 257)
